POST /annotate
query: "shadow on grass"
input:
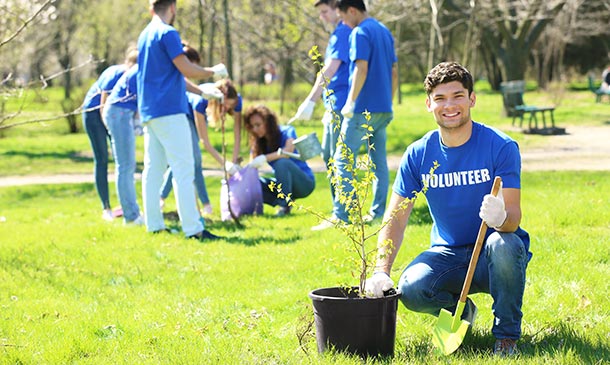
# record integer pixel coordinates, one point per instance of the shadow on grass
(420, 215)
(75, 156)
(230, 226)
(552, 340)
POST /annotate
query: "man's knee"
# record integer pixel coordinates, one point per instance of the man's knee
(412, 296)
(500, 244)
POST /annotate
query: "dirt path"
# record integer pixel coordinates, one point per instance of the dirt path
(581, 148)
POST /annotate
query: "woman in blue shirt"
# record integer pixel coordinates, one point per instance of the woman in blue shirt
(119, 114)
(96, 130)
(266, 140)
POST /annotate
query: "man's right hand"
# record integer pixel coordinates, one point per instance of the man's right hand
(305, 110)
(220, 70)
(210, 91)
(348, 109)
(377, 284)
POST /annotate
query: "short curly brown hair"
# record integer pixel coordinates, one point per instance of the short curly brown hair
(446, 72)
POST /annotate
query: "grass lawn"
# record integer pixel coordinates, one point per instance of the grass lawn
(77, 290)
(46, 148)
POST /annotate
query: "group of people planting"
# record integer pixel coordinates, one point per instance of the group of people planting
(357, 83)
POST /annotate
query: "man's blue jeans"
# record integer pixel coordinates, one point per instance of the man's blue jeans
(332, 125)
(120, 126)
(98, 137)
(352, 133)
(435, 278)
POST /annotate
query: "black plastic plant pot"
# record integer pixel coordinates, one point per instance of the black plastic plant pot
(360, 326)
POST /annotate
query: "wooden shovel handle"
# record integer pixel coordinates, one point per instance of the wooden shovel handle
(477, 246)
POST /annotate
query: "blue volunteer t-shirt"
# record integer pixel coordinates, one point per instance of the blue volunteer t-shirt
(194, 100)
(124, 93)
(161, 86)
(372, 41)
(464, 176)
(105, 82)
(288, 132)
(338, 48)
(200, 106)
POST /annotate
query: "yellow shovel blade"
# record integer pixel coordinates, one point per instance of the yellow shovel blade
(450, 330)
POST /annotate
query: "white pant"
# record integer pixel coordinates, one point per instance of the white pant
(167, 140)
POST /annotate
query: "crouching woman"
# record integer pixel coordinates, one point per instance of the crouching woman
(267, 141)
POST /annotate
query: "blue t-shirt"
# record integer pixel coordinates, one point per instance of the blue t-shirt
(338, 48)
(193, 101)
(124, 93)
(161, 86)
(464, 176)
(105, 82)
(288, 132)
(372, 41)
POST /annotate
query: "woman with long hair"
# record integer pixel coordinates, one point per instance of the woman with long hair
(267, 140)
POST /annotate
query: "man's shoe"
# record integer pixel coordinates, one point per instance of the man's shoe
(325, 224)
(136, 222)
(505, 347)
(107, 215)
(205, 235)
(370, 218)
(283, 211)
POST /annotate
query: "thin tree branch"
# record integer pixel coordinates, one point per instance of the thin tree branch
(26, 23)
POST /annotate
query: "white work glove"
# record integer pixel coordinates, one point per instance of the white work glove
(220, 70)
(305, 110)
(377, 284)
(231, 167)
(210, 91)
(492, 210)
(348, 109)
(258, 161)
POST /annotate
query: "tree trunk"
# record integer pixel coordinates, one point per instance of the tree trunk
(212, 33)
(287, 78)
(201, 21)
(514, 59)
(228, 44)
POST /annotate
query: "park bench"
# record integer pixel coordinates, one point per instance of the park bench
(512, 96)
(597, 90)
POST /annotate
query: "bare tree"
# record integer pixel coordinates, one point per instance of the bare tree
(509, 31)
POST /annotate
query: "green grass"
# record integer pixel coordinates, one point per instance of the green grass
(74, 289)
(47, 148)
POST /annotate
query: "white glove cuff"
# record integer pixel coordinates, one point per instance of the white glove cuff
(503, 221)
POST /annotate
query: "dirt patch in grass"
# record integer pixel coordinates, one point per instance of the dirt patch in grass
(581, 148)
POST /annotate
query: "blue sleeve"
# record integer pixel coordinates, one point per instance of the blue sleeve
(288, 132)
(508, 165)
(339, 44)
(407, 180)
(201, 105)
(360, 48)
(239, 106)
(110, 77)
(172, 43)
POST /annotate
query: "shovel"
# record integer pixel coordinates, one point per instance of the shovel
(451, 329)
